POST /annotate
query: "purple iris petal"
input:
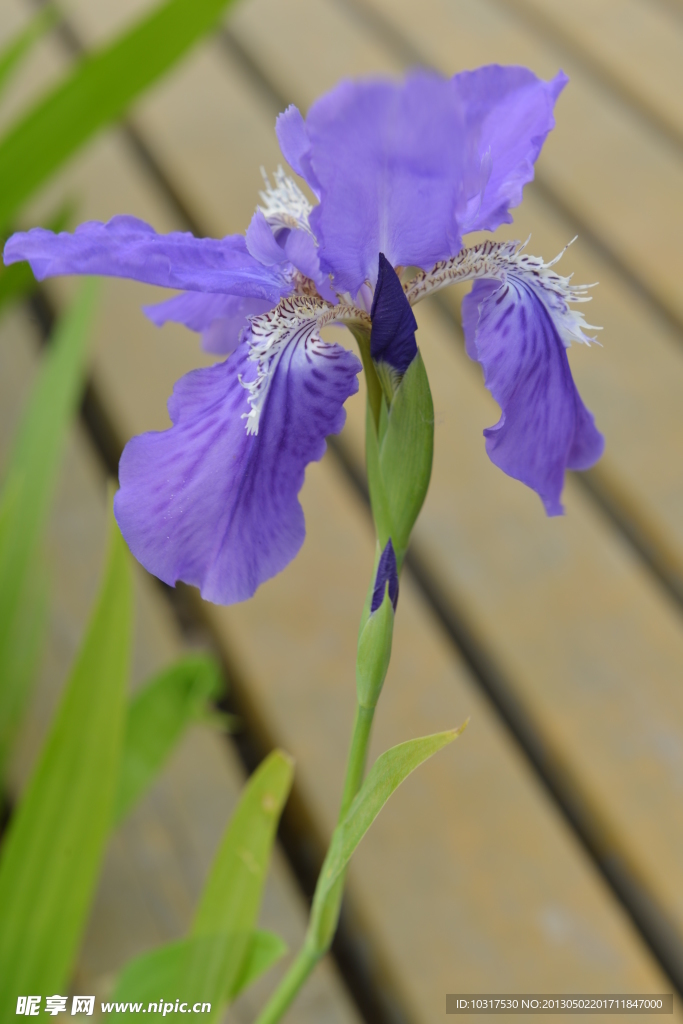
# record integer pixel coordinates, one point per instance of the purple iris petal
(208, 503)
(386, 575)
(391, 162)
(219, 318)
(392, 338)
(544, 426)
(127, 247)
(509, 111)
(291, 246)
(290, 129)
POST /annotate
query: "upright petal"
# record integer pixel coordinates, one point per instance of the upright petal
(391, 162)
(544, 426)
(508, 112)
(219, 318)
(214, 505)
(127, 247)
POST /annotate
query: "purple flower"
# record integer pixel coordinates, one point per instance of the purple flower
(401, 172)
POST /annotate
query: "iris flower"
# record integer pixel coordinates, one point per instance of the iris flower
(401, 171)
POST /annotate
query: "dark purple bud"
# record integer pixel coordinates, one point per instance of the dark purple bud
(392, 339)
(386, 573)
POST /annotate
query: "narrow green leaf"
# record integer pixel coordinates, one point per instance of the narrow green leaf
(96, 92)
(24, 503)
(223, 953)
(56, 840)
(22, 44)
(231, 898)
(163, 972)
(387, 773)
(157, 717)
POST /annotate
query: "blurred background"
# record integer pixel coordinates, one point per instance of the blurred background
(544, 851)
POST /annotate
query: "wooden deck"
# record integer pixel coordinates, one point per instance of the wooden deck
(544, 851)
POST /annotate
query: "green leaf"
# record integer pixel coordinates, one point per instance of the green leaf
(27, 492)
(96, 92)
(231, 898)
(386, 775)
(51, 856)
(22, 44)
(164, 971)
(219, 957)
(157, 717)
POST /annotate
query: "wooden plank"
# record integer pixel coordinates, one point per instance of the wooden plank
(503, 895)
(634, 45)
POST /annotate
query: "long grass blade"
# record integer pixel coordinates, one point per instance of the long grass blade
(51, 856)
(97, 92)
(26, 495)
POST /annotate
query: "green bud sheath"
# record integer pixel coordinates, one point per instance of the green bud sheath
(374, 653)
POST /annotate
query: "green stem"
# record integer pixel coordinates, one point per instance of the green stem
(284, 994)
(323, 925)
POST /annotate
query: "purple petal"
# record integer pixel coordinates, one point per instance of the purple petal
(127, 247)
(219, 318)
(391, 161)
(544, 426)
(386, 575)
(209, 504)
(262, 243)
(509, 111)
(290, 129)
(392, 337)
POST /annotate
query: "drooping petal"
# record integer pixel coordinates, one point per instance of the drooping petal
(387, 575)
(391, 161)
(509, 112)
(127, 247)
(392, 339)
(219, 318)
(215, 505)
(544, 426)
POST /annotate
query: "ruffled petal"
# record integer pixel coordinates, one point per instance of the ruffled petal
(392, 164)
(127, 247)
(544, 426)
(220, 319)
(509, 112)
(214, 505)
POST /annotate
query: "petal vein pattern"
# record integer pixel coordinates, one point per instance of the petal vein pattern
(518, 325)
(495, 261)
(214, 505)
(296, 320)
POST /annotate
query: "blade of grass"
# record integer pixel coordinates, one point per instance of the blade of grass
(27, 491)
(56, 840)
(232, 894)
(223, 953)
(18, 48)
(164, 970)
(157, 717)
(96, 92)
